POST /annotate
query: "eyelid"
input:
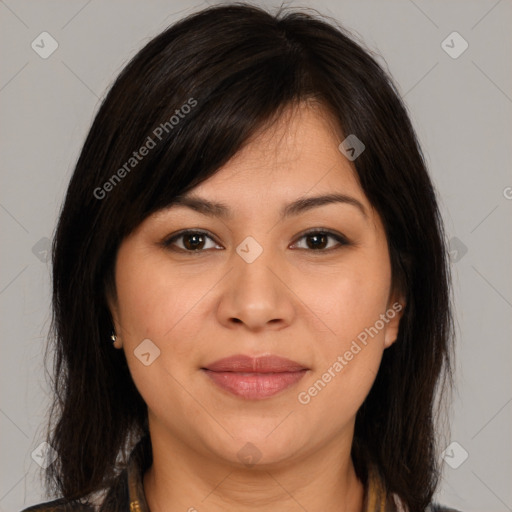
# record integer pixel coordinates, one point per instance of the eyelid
(339, 237)
(168, 240)
(342, 240)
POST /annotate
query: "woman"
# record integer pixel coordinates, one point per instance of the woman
(251, 291)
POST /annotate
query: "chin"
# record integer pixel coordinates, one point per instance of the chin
(262, 449)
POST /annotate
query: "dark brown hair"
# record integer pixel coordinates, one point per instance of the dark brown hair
(238, 67)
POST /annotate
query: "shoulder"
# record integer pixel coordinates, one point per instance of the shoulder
(60, 505)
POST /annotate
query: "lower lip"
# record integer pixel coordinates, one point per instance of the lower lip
(254, 386)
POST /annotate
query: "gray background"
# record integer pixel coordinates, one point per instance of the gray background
(461, 108)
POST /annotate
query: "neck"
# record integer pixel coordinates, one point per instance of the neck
(183, 479)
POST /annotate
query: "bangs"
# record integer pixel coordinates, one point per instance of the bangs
(193, 119)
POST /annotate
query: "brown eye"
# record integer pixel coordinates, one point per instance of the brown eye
(319, 240)
(192, 241)
(197, 241)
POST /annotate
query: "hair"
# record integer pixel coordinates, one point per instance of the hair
(238, 67)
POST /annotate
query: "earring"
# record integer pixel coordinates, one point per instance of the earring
(113, 337)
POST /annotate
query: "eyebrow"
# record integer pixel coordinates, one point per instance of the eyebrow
(217, 209)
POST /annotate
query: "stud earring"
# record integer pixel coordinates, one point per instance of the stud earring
(113, 337)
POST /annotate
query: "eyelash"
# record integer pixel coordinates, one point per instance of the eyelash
(167, 243)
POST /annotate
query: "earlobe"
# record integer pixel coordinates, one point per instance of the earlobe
(117, 343)
(115, 337)
(394, 314)
(112, 306)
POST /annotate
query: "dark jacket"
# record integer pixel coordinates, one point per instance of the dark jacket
(127, 493)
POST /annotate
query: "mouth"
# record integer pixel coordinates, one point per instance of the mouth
(254, 378)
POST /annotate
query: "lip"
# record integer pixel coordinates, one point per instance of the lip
(261, 364)
(255, 378)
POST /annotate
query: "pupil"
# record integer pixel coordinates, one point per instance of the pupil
(317, 238)
(196, 239)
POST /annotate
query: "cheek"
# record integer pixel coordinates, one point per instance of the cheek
(153, 296)
(348, 298)
(347, 359)
(349, 301)
(332, 398)
(160, 302)
(152, 304)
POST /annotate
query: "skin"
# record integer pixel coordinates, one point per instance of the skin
(293, 301)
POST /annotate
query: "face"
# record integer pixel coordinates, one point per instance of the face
(311, 286)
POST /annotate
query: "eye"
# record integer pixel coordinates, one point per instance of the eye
(193, 241)
(196, 241)
(318, 240)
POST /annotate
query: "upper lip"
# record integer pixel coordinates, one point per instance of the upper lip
(261, 364)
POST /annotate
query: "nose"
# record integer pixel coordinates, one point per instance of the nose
(257, 294)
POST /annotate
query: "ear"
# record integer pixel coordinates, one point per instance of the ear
(118, 342)
(394, 312)
(114, 313)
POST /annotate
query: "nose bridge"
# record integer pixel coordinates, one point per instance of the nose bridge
(252, 262)
(256, 294)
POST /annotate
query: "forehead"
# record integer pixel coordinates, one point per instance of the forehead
(296, 155)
